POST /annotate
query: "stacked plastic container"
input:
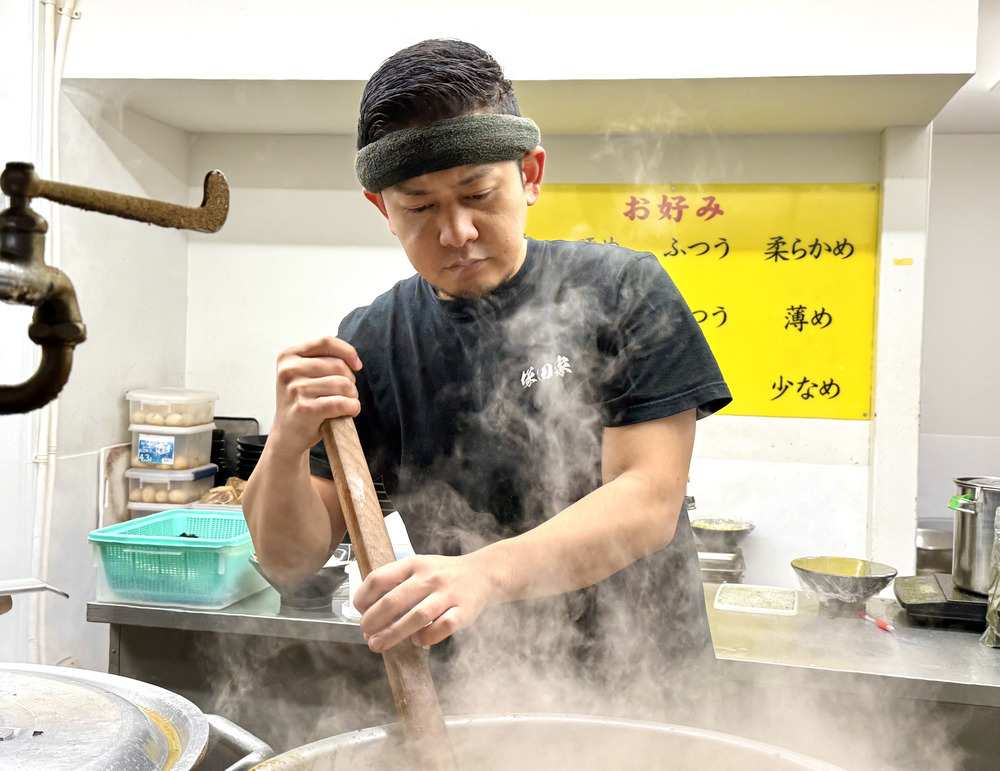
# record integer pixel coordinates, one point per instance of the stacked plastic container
(171, 448)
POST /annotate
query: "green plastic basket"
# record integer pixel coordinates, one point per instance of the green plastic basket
(154, 560)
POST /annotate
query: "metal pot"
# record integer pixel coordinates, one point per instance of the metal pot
(975, 508)
(584, 743)
(55, 718)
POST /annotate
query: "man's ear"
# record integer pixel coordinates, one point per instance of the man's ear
(532, 166)
(376, 198)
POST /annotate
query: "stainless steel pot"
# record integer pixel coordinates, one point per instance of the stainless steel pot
(55, 718)
(584, 743)
(975, 508)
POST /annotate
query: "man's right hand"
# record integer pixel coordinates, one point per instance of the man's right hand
(294, 517)
(315, 381)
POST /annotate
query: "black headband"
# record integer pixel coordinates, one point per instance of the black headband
(468, 139)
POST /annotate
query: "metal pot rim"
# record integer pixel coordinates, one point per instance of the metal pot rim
(185, 718)
(294, 758)
(985, 482)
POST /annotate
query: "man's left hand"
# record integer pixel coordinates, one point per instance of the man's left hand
(426, 598)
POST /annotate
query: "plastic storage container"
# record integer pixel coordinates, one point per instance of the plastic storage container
(171, 407)
(173, 487)
(173, 449)
(144, 509)
(186, 557)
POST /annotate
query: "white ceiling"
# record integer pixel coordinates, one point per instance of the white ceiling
(954, 102)
(714, 105)
(975, 109)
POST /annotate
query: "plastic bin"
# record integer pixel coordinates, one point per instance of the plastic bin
(154, 560)
(171, 448)
(144, 509)
(171, 406)
(175, 487)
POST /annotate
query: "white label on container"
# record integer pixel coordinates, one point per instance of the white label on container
(156, 449)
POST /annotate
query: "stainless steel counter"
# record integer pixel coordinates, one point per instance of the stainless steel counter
(251, 662)
(914, 661)
(826, 650)
(260, 614)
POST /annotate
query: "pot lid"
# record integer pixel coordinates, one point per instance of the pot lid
(51, 722)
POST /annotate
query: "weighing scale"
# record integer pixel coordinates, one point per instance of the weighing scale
(934, 600)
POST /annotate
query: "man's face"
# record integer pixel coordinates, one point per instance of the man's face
(463, 228)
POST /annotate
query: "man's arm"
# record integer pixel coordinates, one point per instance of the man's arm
(294, 518)
(633, 514)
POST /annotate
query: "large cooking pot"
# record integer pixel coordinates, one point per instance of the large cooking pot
(975, 508)
(55, 718)
(529, 742)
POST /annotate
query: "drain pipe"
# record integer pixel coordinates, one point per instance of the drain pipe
(53, 59)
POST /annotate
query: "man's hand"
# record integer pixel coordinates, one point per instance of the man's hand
(315, 381)
(426, 598)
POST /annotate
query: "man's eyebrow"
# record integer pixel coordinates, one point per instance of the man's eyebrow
(476, 175)
(406, 188)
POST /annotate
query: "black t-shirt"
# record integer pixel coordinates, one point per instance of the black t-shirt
(483, 417)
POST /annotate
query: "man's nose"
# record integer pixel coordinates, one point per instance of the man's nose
(457, 229)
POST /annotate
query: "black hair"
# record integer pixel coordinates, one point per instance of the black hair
(431, 81)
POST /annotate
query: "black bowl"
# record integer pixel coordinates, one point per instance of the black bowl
(718, 534)
(251, 442)
(842, 581)
(315, 593)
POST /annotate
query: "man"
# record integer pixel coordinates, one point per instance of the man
(530, 406)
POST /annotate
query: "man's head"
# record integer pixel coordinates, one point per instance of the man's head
(445, 156)
(429, 82)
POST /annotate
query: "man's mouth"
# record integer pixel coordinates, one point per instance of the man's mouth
(462, 266)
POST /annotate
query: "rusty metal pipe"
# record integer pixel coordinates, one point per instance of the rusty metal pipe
(56, 324)
(19, 179)
(25, 279)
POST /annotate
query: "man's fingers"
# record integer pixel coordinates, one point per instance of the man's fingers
(328, 346)
(316, 388)
(416, 620)
(293, 367)
(440, 629)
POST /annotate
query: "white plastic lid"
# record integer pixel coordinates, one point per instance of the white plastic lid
(179, 430)
(150, 508)
(160, 475)
(171, 396)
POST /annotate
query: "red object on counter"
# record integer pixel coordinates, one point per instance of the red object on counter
(878, 622)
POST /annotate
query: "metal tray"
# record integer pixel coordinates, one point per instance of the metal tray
(749, 598)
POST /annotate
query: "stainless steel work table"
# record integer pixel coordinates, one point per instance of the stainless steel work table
(823, 649)
(250, 660)
(260, 614)
(916, 661)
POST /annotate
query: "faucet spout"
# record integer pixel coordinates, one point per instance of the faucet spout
(56, 324)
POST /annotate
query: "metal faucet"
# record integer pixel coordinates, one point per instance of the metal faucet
(25, 279)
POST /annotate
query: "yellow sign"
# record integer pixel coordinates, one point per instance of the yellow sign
(780, 277)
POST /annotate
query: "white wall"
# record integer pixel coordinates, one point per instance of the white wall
(17, 362)
(960, 420)
(131, 284)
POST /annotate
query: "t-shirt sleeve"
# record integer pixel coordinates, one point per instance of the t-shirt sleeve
(660, 362)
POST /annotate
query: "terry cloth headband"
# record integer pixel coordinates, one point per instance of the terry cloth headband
(460, 141)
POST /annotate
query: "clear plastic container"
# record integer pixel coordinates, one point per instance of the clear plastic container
(173, 407)
(197, 559)
(173, 487)
(169, 449)
(136, 510)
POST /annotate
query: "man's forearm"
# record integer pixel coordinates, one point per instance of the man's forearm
(287, 517)
(589, 541)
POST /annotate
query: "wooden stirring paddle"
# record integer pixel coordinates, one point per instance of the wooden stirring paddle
(405, 664)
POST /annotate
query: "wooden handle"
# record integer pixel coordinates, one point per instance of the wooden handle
(405, 664)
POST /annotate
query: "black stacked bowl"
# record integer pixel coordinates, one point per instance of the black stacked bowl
(219, 456)
(248, 452)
